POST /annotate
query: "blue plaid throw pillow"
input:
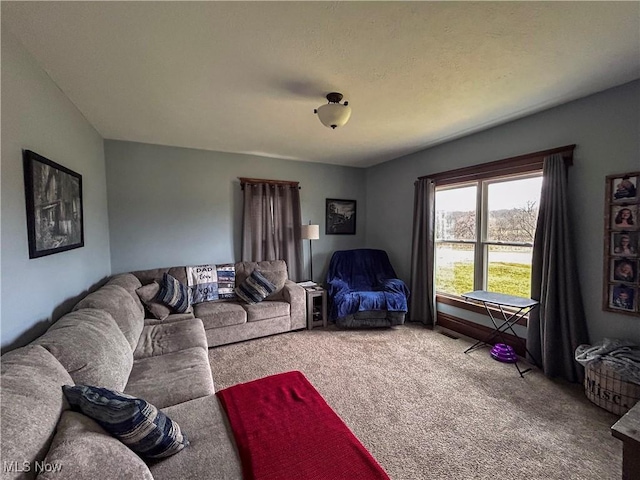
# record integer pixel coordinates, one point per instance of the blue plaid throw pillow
(135, 422)
(255, 288)
(173, 294)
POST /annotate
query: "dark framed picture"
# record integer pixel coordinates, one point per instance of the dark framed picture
(622, 297)
(54, 206)
(624, 188)
(340, 217)
(624, 270)
(624, 217)
(624, 244)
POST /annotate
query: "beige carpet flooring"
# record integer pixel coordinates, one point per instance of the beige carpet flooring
(426, 410)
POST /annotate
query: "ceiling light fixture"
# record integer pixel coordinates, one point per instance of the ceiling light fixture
(334, 114)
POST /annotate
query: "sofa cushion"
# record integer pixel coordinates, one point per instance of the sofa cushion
(211, 452)
(255, 288)
(265, 310)
(277, 278)
(134, 421)
(174, 317)
(247, 331)
(148, 294)
(116, 301)
(130, 283)
(31, 402)
(148, 276)
(273, 270)
(220, 314)
(174, 294)
(91, 347)
(85, 451)
(170, 337)
(187, 372)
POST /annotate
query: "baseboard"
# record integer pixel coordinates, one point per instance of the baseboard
(477, 331)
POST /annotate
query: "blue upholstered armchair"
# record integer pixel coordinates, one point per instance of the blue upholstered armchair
(364, 291)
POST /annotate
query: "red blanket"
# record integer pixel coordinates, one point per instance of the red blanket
(285, 430)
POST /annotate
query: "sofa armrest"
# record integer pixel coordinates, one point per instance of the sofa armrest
(294, 294)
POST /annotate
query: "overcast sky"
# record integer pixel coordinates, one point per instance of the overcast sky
(502, 195)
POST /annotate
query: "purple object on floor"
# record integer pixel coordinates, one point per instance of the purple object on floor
(504, 353)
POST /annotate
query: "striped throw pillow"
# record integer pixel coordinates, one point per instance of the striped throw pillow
(255, 288)
(173, 294)
(135, 422)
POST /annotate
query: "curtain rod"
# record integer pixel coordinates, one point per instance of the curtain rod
(254, 181)
(526, 159)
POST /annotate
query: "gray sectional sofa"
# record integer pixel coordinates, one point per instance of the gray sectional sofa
(107, 341)
(229, 321)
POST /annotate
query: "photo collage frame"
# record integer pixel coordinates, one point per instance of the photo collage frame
(622, 244)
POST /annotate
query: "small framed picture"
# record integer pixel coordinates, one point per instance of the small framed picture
(622, 297)
(624, 217)
(624, 270)
(624, 244)
(340, 217)
(624, 189)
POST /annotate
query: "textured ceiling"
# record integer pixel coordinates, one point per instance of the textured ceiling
(246, 76)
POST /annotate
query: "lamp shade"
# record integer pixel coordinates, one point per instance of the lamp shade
(310, 232)
(334, 115)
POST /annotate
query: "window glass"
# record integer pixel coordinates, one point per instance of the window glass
(513, 210)
(509, 270)
(454, 267)
(456, 213)
(501, 261)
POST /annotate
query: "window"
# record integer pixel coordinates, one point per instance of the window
(484, 234)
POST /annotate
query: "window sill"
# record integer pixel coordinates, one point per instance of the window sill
(458, 302)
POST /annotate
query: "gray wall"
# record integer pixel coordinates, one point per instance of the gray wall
(37, 116)
(171, 206)
(606, 129)
(179, 206)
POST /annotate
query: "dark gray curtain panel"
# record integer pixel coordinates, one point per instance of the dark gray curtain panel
(422, 306)
(271, 225)
(557, 326)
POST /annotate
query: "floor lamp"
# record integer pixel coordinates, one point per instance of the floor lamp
(310, 232)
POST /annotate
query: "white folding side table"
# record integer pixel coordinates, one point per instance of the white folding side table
(522, 307)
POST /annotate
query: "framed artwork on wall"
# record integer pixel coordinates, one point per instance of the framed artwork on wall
(54, 206)
(625, 244)
(624, 188)
(622, 298)
(624, 217)
(340, 217)
(621, 279)
(623, 270)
